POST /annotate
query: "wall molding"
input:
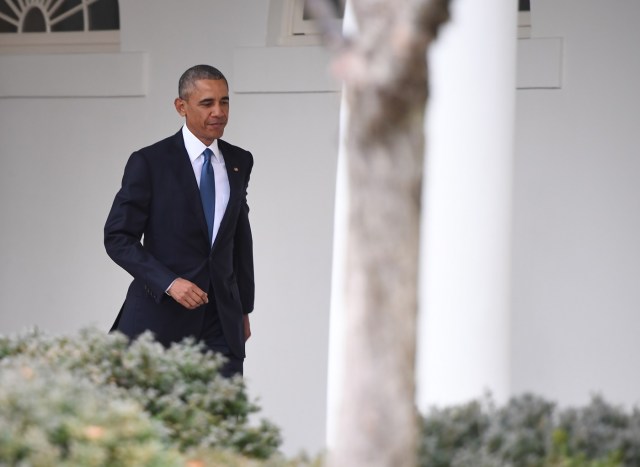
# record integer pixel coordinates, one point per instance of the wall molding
(306, 68)
(283, 69)
(74, 75)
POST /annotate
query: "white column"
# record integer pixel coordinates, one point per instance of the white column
(336, 319)
(464, 316)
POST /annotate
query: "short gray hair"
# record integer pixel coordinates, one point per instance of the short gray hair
(195, 73)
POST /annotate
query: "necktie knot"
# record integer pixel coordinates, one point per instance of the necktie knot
(207, 155)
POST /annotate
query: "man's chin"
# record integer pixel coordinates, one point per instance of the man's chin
(216, 134)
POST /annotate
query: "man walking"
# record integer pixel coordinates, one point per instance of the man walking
(180, 226)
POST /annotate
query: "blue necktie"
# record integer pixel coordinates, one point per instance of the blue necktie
(208, 191)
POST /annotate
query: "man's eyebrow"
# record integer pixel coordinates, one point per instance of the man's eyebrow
(209, 100)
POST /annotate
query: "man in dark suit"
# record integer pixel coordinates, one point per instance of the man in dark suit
(180, 226)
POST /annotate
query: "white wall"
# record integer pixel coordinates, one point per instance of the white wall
(576, 269)
(61, 161)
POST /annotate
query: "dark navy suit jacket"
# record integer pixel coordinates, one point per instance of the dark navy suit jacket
(156, 231)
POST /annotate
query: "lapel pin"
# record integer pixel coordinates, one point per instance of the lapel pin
(235, 169)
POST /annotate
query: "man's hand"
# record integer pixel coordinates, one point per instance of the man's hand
(187, 294)
(247, 327)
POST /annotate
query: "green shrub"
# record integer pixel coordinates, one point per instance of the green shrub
(52, 418)
(520, 432)
(449, 434)
(180, 387)
(530, 432)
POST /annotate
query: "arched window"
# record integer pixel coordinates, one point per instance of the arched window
(59, 25)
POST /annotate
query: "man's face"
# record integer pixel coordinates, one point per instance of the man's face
(206, 109)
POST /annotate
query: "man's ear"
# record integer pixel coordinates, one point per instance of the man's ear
(180, 104)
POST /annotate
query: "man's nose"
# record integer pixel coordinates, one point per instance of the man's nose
(216, 110)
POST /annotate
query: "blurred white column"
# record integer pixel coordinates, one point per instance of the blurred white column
(464, 317)
(336, 319)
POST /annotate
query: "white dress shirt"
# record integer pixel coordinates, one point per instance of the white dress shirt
(195, 148)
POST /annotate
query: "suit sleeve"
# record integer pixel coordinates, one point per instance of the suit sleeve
(126, 224)
(243, 251)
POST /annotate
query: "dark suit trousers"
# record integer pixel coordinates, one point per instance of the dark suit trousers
(213, 337)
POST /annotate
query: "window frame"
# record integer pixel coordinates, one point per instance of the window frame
(84, 41)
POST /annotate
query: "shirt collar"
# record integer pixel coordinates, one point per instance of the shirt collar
(195, 147)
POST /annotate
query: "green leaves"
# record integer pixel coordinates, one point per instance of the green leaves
(180, 400)
(530, 432)
(54, 418)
